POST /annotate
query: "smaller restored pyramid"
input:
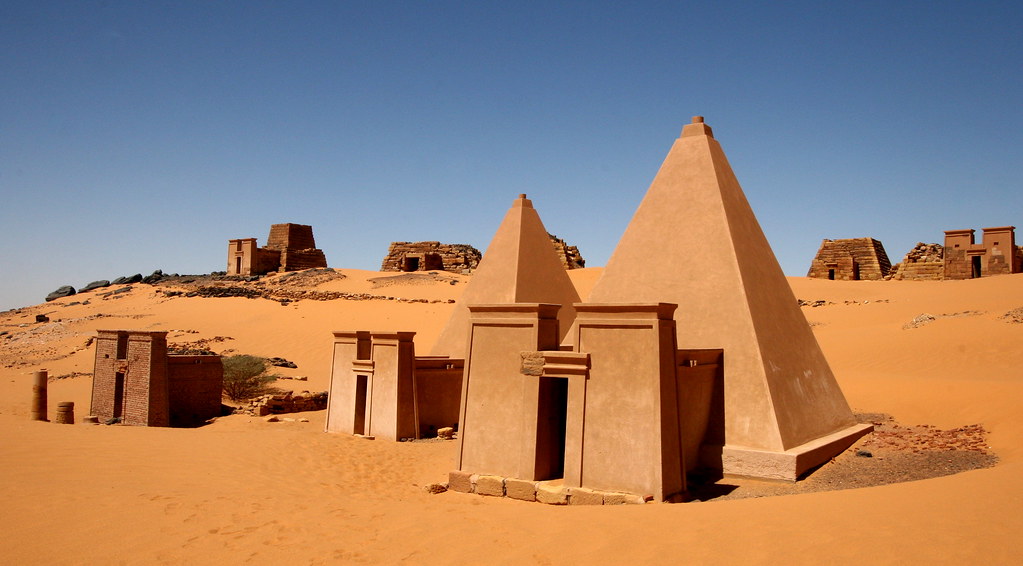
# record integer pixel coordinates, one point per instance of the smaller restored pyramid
(519, 266)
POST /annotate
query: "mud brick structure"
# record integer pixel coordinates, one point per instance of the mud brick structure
(430, 256)
(289, 247)
(925, 262)
(997, 254)
(569, 255)
(850, 259)
(138, 382)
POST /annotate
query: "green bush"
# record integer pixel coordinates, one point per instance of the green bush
(245, 377)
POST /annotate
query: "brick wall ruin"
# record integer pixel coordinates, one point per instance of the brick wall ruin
(925, 262)
(136, 381)
(289, 247)
(850, 260)
(430, 256)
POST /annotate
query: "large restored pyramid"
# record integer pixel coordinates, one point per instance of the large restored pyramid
(519, 266)
(695, 241)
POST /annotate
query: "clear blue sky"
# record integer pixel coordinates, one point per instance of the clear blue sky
(144, 135)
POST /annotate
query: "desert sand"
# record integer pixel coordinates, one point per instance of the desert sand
(242, 490)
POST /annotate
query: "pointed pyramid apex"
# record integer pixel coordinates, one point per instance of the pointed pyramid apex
(519, 266)
(697, 128)
(522, 202)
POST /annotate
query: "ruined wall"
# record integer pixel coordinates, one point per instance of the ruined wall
(850, 259)
(430, 256)
(569, 255)
(925, 262)
(196, 384)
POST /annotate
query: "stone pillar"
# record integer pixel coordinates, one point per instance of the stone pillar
(39, 396)
(65, 413)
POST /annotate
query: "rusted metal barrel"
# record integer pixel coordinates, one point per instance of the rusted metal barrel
(39, 395)
(65, 412)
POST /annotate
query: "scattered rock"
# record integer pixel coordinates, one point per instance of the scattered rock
(435, 488)
(65, 291)
(864, 454)
(446, 433)
(42, 318)
(1014, 316)
(272, 419)
(919, 321)
(281, 363)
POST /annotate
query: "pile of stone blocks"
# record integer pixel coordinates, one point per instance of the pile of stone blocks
(925, 262)
(287, 402)
(569, 255)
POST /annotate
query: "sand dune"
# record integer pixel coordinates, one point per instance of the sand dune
(242, 490)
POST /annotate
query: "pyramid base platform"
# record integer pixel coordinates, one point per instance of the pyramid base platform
(735, 461)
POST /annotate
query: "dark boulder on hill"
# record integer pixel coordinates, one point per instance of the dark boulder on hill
(137, 278)
(95, 285)
(65, 291)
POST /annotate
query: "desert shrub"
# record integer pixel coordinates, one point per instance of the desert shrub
(246, 377)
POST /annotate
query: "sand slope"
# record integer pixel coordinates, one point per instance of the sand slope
(245, 491)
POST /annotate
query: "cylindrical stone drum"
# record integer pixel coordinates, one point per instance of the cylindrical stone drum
(39, 396)
(65, 412)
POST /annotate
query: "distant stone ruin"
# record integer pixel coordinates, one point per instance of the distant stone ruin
(569, 255)
(962, 258)
(851, 259)
(430, 256)
(136, 382)
(289, 247)
(997, 254)
(925, 262)
(459, 258)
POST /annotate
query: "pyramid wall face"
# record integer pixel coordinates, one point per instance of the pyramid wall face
(695, 241)
(519, 266)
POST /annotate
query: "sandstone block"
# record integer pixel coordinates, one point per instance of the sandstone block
(490, 485)
(460, 481)
(551, 494)
(523, 490)
(623, 499)
(583, 496)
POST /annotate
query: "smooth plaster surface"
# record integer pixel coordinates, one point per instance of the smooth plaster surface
(695, 241)
(519, 266)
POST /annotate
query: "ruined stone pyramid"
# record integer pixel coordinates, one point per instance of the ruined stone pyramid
(695, 241)
(519, 266)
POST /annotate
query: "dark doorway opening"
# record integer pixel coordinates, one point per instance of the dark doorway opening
(118, 395)
(831, 274)
(361, 383)
(550, 428)
(856, 272)
(411, 264)
(976, 266)
(238, 265)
